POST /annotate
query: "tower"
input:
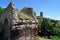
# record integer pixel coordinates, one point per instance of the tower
(41, 16)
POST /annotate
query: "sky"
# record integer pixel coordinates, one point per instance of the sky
(50, 8)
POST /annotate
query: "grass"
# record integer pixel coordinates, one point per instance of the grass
(24, 16)
(52, 38)
(55, 38)
(39, 38)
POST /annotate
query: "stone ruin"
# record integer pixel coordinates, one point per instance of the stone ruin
(24, 30)
(15, 28)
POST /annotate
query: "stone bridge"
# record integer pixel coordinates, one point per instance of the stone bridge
(13, 28)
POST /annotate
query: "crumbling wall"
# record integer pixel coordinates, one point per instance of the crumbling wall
(25, 31)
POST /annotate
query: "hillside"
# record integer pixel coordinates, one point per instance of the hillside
(48, 27)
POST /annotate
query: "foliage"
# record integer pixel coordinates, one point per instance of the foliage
(24, 16)
(1, 11)
(55, 38)
(48, 27)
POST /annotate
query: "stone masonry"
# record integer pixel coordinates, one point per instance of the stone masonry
(13, 28)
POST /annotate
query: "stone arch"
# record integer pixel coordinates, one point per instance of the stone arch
(6, 29)
(6, 24)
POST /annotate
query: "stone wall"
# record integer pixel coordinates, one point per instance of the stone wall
(26, 30)
(15, 29)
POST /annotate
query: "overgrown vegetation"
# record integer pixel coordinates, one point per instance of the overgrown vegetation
(1, 10)
(49, 27)
(24, 15)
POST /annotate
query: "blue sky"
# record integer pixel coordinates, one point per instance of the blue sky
(50, 8)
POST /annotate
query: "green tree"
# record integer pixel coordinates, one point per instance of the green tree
(1, 10)
(46, 27)
(56, 27)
